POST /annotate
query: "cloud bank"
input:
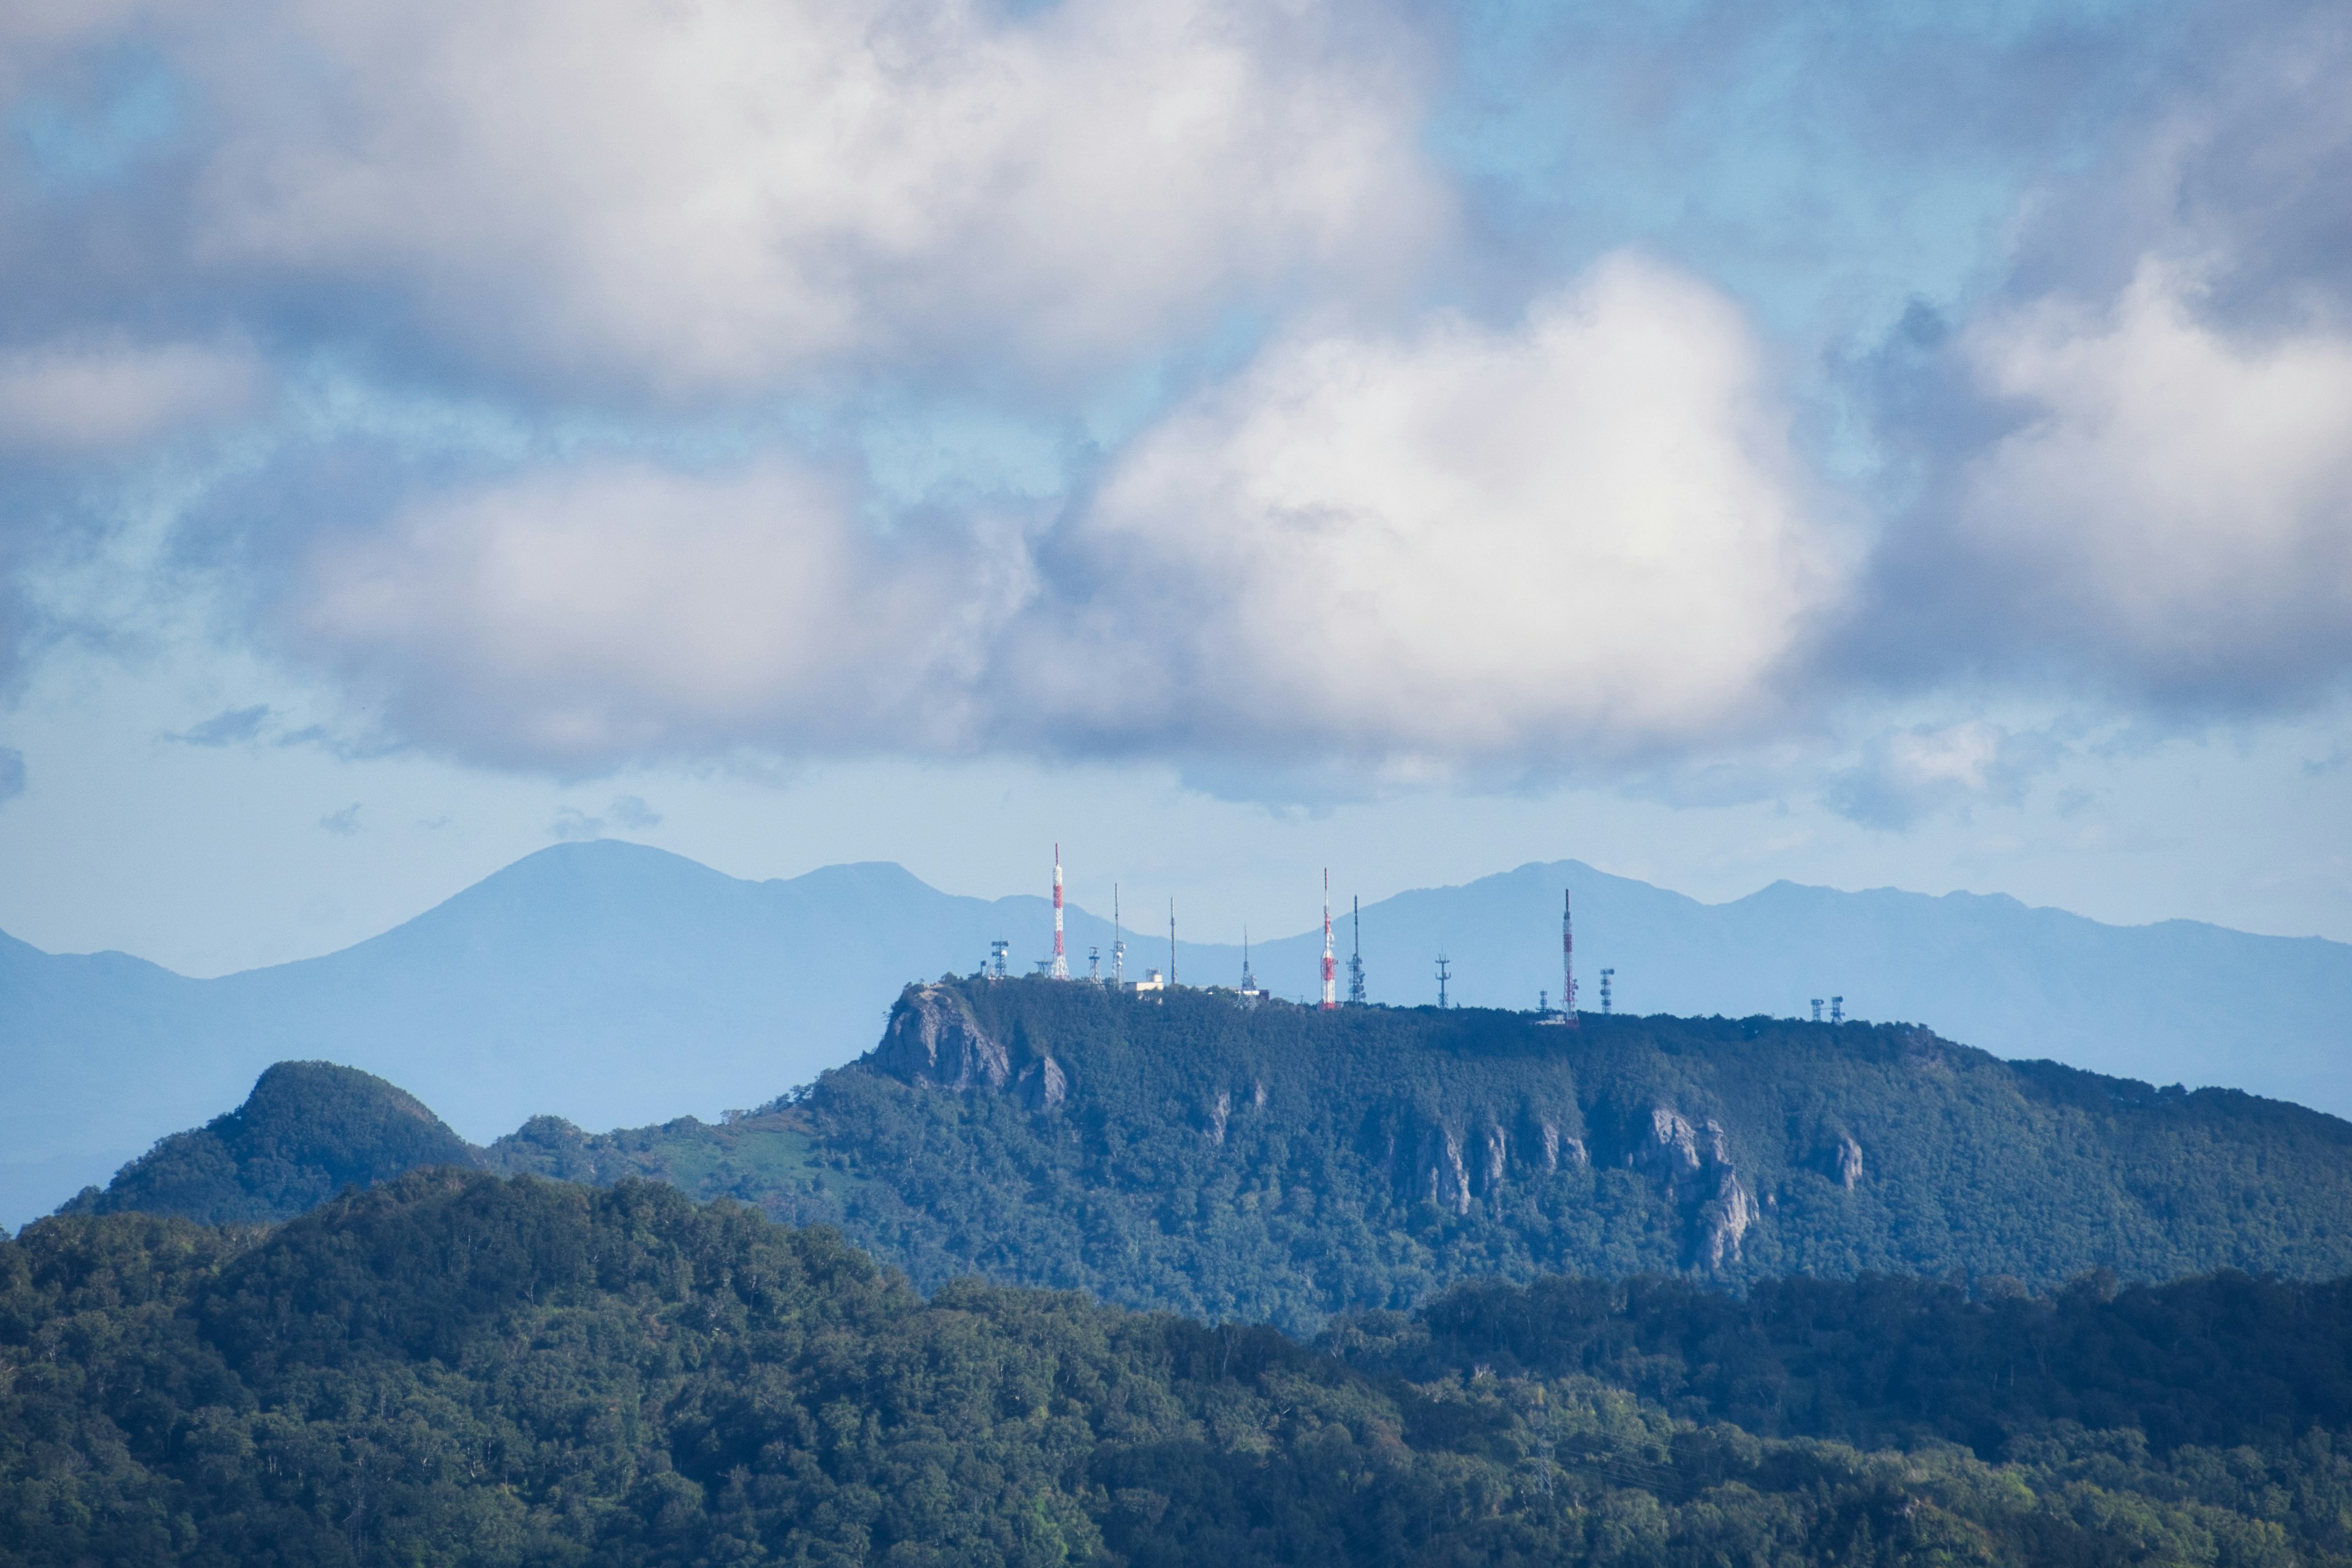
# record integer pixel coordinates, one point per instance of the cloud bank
(1582, 536)
(688, 200)
(1344, 478)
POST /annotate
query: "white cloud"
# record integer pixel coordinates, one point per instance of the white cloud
(1581, 539)
(73, 398)
(1577, 541)
(1909, 774)
(2178, 504)
(706, 197)
(574, 618)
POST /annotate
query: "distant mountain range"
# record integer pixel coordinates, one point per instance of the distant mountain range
(614, 985)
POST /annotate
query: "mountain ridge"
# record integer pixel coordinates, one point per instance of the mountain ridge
(616, 985)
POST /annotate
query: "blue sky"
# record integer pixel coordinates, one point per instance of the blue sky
(1876, 445)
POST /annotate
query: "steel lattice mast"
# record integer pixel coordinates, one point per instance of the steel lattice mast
(1567, 964)
(1061, 969)
(1331, 969)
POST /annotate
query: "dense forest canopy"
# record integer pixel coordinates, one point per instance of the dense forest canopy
(463, 1369)
(307, 1131)
(1281, 1164)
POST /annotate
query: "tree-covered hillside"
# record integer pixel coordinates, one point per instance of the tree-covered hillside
(306, 1132)
(459, 1369)
(1281, 1164)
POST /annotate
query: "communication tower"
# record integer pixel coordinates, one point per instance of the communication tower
(1606, 976)
(1061, 969)
(1567, 964)
(1094, 965)
(1443, 974)
(996, 952)
(1355, 963)
(1817, 1009)
(1171, 944)
(1330, 969)
(1837, 1009)
(1249, 981)
(1117, 943)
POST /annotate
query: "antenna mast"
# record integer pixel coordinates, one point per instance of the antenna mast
(1567, 964)
(1442, 974)
(1061, 969)
(1117, 943)
(1171, 944)
(1330, 969)
(1355, 965)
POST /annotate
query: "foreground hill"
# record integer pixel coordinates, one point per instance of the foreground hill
(1281, 1164)
(458, 1369)
(614, 985)
(307, 1131)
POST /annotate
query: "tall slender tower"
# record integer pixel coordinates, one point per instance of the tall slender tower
(1355, 965)
(1118, 944)
(1567, 964)
(1061, 969)
(1330, 969)
(1171, 944)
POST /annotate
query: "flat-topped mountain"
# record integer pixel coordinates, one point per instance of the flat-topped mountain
(1280, 1162)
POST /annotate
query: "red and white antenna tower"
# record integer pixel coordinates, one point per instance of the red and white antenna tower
(1567, 964)
(1330, 968)
(1061, 969)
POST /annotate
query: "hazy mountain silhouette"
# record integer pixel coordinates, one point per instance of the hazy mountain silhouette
(616, 985)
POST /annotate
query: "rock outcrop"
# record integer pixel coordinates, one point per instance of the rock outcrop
(934, 1038)
(1725, 1221)
(1849, 1161)
(1694, 1160)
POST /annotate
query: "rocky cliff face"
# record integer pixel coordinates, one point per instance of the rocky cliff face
(935, 1039)
(1694, 1159)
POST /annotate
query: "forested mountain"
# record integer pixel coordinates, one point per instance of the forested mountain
(459, 1369)
(306, 1132)
(1280, 1163)
(614, 985)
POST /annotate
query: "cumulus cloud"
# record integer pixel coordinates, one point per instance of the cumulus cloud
(2138, 461)
(690, 199)
(2179, 501)
(73, 398)
(1580, 539)
(577, 616)
(1913, 772)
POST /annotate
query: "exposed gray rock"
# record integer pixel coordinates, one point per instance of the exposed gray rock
(1499, 1156)
(1672, 1142)
(1219, 1112)
(1724, 1223)
(1044, 1085)
(1849, 1161)
(934, 1038)
(1438, 1170)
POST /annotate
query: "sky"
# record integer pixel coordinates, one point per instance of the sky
(1870, 445)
